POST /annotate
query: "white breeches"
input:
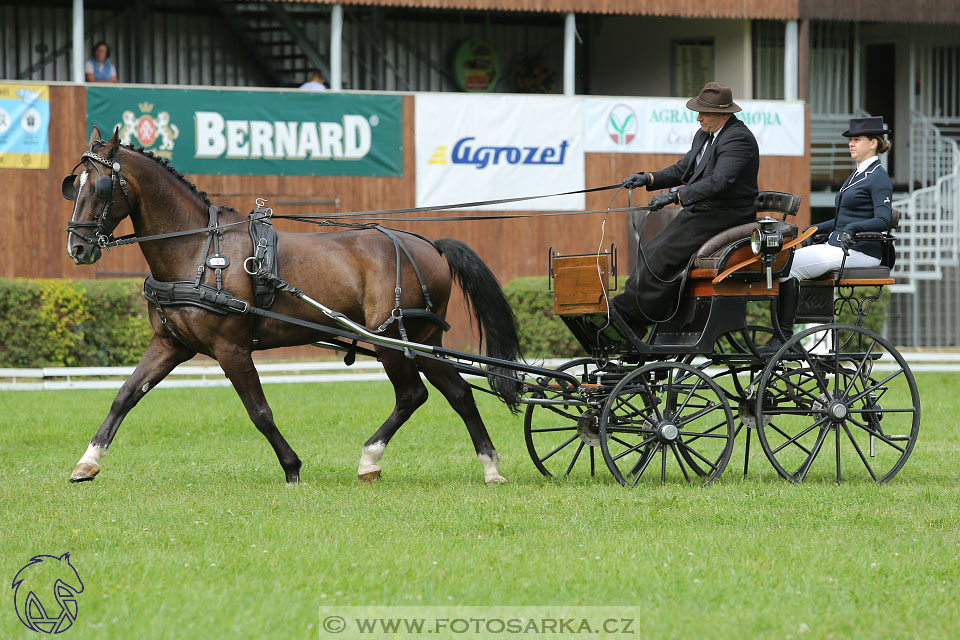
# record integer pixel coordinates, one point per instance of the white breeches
(815, 260)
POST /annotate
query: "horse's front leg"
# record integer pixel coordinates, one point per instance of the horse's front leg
(160, 358)
(238, 366)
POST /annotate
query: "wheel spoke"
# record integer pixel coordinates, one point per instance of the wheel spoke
(572, 438)
(575, 456)
(697, 453)
(882, 383)
(805, 467)
(863, 458)
(799, 435)
(784, 434)
(856, 374)
(699, 414)
(549, 429)
(673, 447)
(633, 448)
(646, 463)
(691, 395)
(705, 433)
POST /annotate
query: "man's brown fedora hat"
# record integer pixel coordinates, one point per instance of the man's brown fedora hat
(714, 98)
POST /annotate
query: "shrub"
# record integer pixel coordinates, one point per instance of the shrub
(47, 323)
(542, 334)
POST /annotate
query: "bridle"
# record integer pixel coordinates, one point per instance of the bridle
(104, 188)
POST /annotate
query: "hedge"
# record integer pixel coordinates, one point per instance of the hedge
(71, 323)
(543, 335)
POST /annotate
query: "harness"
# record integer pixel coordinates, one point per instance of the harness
(263, 267)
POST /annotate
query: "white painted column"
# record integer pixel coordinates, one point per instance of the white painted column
(569, 55)
(791, 61)
(336, 47)
(76, 57)
(856, 67)
(747, 40)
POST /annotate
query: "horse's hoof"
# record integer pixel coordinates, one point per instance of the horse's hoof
(367, 478)
(497, 479)
(85, 471)
(296, 482)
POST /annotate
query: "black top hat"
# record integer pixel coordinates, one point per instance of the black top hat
(872, 126)
(714, 98)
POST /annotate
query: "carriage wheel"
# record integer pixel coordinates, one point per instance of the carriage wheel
(666, 421)
(563, 438)
(838, 387)
(742, 341)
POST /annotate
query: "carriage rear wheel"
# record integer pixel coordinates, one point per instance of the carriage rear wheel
(666, 421)
(838, 387)
(562, 435)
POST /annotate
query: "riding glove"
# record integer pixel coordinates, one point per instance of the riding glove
(636, 180)
(847, 241)
(663, 198)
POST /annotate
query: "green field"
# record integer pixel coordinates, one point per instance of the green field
(190, 531)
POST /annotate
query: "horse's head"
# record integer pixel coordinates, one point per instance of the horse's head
(101, 198)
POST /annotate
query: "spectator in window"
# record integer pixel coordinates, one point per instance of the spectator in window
(99, 68)
(316, 83)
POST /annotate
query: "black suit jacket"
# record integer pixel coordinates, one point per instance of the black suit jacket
(726, 177)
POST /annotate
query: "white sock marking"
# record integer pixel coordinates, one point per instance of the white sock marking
(93, 455)
(491, 473)
(370, 457)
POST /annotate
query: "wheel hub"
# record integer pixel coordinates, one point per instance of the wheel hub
(667, 431)
(838, 410)
(588, 427)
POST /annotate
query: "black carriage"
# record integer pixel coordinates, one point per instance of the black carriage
(833, 398)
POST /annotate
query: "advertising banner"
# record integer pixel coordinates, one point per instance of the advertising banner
(257, 132)
(24, 126)
(665, 125)
(472, 148)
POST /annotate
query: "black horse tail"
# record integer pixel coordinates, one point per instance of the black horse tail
(491, 312)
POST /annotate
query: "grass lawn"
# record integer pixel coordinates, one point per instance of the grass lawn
(190, 532)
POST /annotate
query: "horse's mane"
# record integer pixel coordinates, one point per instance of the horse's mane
(165, 163)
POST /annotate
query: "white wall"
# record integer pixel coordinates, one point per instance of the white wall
(632, 55)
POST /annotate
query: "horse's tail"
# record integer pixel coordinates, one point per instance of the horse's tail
(491, 312)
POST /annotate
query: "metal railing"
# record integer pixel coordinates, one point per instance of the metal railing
(829, 154)
(929, 234)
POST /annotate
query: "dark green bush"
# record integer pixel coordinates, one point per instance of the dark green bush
(46, 323)
(542, 334)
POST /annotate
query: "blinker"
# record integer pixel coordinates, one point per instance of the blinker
(103, 187)
(67, 189)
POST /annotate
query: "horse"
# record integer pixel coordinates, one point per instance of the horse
(354, 272)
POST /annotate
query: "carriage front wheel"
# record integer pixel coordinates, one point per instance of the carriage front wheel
(666, 421)
(560, 430)
(838, 387)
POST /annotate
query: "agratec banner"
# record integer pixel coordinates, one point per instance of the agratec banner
(473, 148)
(256, 132)
(665, 125)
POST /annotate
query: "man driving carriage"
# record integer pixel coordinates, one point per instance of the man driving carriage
(715, 183)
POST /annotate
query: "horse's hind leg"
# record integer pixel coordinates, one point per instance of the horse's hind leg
(410, 393)
(460, 396)
(160, 358)
(238, 366)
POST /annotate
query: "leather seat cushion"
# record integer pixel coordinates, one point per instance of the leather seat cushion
(713, 250)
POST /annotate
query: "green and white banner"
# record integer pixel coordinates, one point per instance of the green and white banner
(257, 132)
(665, 125)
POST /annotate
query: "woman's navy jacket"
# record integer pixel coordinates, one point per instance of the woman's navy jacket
(863, 204)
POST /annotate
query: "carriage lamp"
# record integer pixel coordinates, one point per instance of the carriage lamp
(767, 240)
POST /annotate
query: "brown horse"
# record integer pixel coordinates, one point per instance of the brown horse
(353, 272)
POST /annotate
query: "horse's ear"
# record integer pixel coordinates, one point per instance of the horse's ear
(94, 136)
(112, 144)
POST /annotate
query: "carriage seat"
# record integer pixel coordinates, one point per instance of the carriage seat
(868, 276)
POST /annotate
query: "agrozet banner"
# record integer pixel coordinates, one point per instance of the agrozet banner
(665, 125)
(256, 132)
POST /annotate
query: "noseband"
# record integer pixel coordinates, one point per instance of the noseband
(104, 188)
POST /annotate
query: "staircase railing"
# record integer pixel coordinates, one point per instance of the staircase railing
(929, 234)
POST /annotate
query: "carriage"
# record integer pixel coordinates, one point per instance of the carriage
(663, 408)
(671, 406)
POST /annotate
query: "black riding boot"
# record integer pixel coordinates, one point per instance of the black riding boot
(786, 312)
